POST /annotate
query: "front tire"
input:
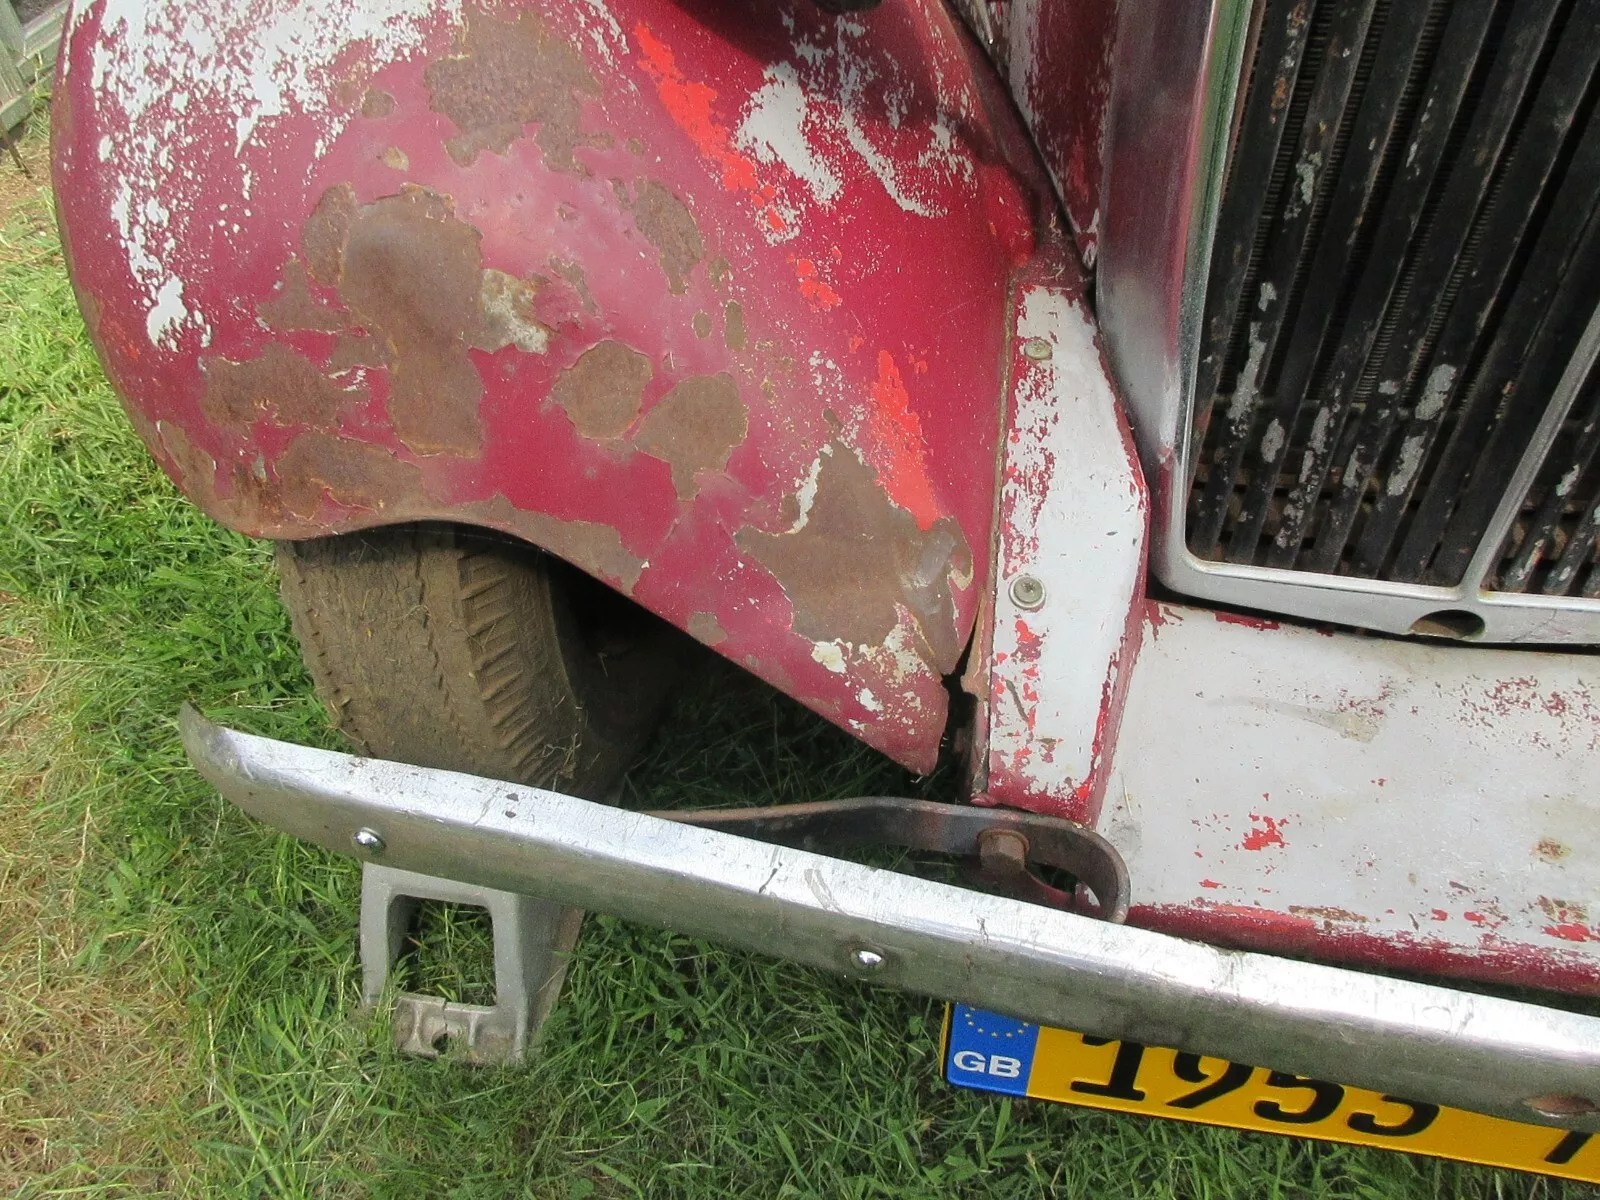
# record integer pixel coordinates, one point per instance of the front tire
(456, 648)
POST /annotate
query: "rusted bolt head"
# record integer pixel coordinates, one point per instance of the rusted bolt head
(865, 960)
(1037, 349)
(1027, 592)
(1004, 844)
(368, 840)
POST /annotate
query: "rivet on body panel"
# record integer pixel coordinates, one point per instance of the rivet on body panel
(1027, 592)
(1037, 349)
(864, 959)
(368, 840)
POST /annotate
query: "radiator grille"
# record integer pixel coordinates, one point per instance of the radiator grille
(1407, 256)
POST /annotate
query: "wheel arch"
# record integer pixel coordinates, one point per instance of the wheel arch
(708, 301)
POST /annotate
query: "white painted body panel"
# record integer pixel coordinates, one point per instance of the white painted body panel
(1306, 784)
(1073, 517)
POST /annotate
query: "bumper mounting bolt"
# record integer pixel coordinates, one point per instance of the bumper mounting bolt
(866, 960)
(368, 840)
(1027, 592)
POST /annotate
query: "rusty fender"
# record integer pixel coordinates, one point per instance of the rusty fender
(709, 299)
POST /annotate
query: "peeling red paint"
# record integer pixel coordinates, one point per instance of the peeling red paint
(689, 105)
(898, 450)
(1268, 835)
(1232, 618)
(816, 290)
(1492, 959)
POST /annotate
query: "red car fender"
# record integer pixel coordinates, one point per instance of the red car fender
(709, 299)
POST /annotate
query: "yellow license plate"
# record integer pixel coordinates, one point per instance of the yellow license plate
(997, 1054)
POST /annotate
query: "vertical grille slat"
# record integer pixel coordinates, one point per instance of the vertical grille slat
(1325, 411)
(1353, 193)
(1254, 184)
(1385, 327)
(1431, 284)
(1551, 530)
(1293, 235)
(1485, 260)
(1520, 401)
(1475, 416)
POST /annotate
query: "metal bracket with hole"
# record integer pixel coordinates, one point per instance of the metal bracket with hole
(998, 845)
(532, 939)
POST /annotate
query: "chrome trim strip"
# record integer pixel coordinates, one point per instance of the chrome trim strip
(1509, 618)
(1174, 87)
(1409, 1039)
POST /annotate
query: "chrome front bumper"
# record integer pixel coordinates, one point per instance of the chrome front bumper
(1423, 1042)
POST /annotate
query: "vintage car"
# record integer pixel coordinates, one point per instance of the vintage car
(1184, 415)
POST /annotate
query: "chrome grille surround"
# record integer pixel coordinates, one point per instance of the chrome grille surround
(1176, 98)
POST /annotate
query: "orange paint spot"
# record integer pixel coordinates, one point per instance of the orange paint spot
(817, 293)
(856, 343)
(1209, 883)
(1439, 914)
(898, 452)
(689, 106)
(1260, 839)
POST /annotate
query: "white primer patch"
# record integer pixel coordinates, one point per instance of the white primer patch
(806, 493)
(170, 73)
(1434, 393)
(773, 129)
(809, 118)
(1272, 442)
(830, 655)
(167, 314)
(1407, 465)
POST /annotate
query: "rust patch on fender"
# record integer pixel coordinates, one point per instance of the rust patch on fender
(588, 545)
(279, 386)
(293, 306)
(694, 428)
(733, 325)
(705, 627)
(356, 348)
(668, 225)
(348, 472)
(376, 104)
(412, 272)
(416, 298)
(573, 274)
(854, 557)
(197, 470)
(506, 75)
(603, 391)
(326, 231)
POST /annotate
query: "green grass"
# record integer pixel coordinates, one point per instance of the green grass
(178, 985)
